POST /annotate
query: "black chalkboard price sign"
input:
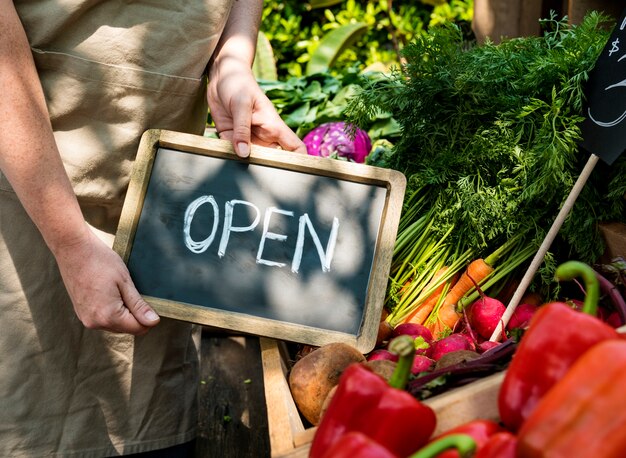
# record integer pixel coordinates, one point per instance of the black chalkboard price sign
(280, 245)
(604, 127)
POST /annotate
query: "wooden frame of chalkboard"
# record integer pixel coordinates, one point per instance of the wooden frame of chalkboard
(304, 247)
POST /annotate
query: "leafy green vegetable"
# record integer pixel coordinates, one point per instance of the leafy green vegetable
(309, 101)
(492, 132)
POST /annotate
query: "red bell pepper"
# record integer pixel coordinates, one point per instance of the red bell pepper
(384, 412)
(556, 337)
(462, 444)
(356, 444)
(584, 414)
(500, 445)
(480, 430)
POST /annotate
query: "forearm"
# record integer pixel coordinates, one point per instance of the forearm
(28, 154)
(238, 41)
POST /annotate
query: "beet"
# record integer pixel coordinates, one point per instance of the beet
(471, 340)
(614, 319)
(453, 342)
(424, 345)
(486, 345)
(485, 314)
(382, 354)
(414, 330)
(421, 364)
(521, 316)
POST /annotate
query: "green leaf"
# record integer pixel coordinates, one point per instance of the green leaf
(324, 3)
(332, 45)
(300, 115)
(264, 66)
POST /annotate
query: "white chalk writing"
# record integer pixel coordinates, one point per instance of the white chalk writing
(305, 226)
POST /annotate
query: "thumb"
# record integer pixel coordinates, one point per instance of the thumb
(139, 308)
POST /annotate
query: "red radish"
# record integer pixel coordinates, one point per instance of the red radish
(420, 333)
(485, 314)
(486, 345)
(421, 363)
(576, 304)
(521, 316)
(382, 354)
(453, 342)
(471, 339)
(414, 330)
(613, 319)
(423, 347)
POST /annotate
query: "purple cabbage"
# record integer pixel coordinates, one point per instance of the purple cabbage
(332, 140)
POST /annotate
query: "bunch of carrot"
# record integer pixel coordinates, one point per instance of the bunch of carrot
(434, 276)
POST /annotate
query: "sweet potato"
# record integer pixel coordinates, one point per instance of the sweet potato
(314, 375)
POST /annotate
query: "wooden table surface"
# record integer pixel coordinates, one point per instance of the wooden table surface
(232, 413)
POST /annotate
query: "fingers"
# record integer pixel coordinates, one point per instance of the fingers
(242, 122)
(138, 307)
(273, 131)
(289, 141)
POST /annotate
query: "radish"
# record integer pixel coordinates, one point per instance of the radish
(521, 316)
(470, 340)
(421, 363)
(453, 342)
(485, 314)
(614, 319)
(414, 330)
(423, 347)
(382, 354)
(421, 335)
(486, 345)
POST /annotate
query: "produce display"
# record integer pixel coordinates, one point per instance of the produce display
(567, 333)
(490, 146)
(560, 396)
(381, 410)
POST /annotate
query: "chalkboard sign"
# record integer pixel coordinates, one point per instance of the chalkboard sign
(281, 245)
(604, 127)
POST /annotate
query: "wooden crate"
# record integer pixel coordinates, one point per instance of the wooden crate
(289, 437)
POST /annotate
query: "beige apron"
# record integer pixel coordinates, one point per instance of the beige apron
(110, 70)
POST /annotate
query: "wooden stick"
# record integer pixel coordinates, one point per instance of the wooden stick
(545, 246)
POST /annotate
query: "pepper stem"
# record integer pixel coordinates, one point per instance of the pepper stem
(464, 444)
(572, 269)
(404, 347)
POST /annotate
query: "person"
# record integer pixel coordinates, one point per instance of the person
(87, 368)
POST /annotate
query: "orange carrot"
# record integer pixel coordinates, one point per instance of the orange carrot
(446, 316)
(420, 314)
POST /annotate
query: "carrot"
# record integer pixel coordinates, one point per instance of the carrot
(420, 314)
(446, 317)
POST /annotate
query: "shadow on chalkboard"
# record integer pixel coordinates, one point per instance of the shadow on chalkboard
(270, 240)
(226, 275)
